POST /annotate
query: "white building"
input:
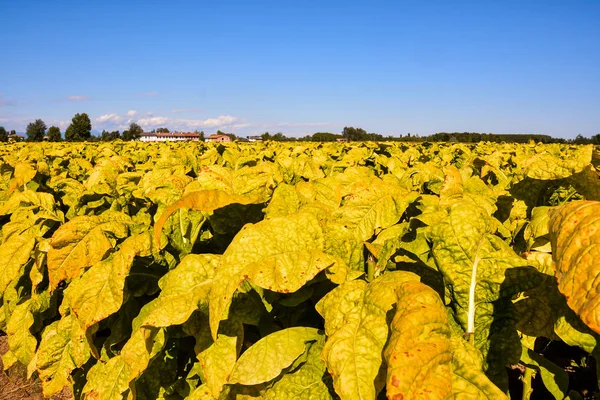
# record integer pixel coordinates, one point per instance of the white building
(169, 137)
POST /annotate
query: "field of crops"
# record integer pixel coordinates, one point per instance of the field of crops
(311, 271)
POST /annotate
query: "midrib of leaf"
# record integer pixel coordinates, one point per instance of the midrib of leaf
(473, 285)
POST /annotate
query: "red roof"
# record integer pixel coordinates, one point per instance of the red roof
(172, 134)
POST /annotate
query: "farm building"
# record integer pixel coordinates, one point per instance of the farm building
(218, 138)
(169, 137)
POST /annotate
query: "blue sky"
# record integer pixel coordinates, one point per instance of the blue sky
(299, 67)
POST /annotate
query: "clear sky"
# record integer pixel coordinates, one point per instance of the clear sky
(299, 67)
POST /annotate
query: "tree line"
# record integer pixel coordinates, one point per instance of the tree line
(360, 135)
(80, 130)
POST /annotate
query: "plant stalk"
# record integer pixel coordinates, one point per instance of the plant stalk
(527, 389)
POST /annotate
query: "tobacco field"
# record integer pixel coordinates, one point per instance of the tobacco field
(206, 271)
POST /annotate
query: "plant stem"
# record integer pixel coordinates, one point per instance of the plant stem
(370, 268)
(527, 389)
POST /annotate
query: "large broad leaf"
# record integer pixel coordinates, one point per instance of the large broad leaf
(202, 200)
(22, 174)
(251, 182)
(183, 290)
(478, 267)
(273, 353)
(587, 182)
(83, 241)
(380, 205)
(19, 326)
(305, 382)
(100, 290)
(468, 380)
(279, 254)
(555, 378)
(419, 353)
(357, 330)
(575, 238)
(545, 166)
(218, 361)
(63, 348)
(112, 379)
(14, 253)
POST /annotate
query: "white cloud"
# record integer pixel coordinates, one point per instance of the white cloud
(223, 121)
(78, 98)
(152, 121)
(114, 118)
(131, 113)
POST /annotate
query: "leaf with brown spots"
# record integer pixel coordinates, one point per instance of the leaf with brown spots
(419, 353)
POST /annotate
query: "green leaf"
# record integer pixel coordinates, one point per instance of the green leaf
(184, 290)
(279, 254)
(272, 353)
(418, 353)
(555, 379)
(478, 267)
(378, 206)
(545, 166)
(63, 348)
(203, 200)
(19, 327)
(110, 380)
(306, 382)
(468, 379)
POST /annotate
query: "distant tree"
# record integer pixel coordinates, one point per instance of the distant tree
(201, 135)
(110, 136)
(352, 133)
(162, 130)
(279, 137)
(580, 139)
(80, 129)
(36, 131)
(133, 133)
(324, 137)
(54, 134)
(266, 136)
(3, 134)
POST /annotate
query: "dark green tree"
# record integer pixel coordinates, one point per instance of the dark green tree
(352, 133)
(110, 136)
(324, 137)
(80, 129)
(200, 135)
(54, 134)
(266, 136)
(133, 133)
(3, 134)
(162, 130)
(36, 131)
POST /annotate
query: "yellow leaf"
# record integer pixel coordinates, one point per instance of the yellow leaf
(419, 353)
(575, 238)
(81, 242)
